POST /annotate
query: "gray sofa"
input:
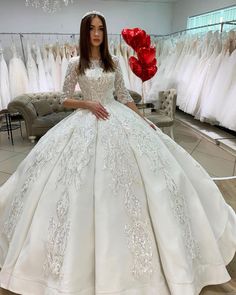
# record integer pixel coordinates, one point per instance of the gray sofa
(41, 111)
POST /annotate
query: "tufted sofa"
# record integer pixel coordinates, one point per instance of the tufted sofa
(37, 124)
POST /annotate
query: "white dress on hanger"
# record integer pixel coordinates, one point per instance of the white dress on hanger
(47, 70)
(227, 115)
(135, 82)
(185, 78)
(217, 95)
(125, 57)
(111, 47)
(163, 79)
(120, 55)
(52, 68)
(58, 70)
(64, 65)
(5, 95)
(43, 84)
(111, 207)
(208, 87)
(212, 67)
(19, 82)
(197, 81)
(32, 71)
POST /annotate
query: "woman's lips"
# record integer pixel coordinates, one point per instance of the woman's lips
(97, 40)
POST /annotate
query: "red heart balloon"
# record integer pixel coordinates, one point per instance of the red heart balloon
(146, 55)
(143, 72)
(147, 41)
(127, 34)
(148, 72)
(139, 39)
(136, 38)
(153, 63)
(135, 66)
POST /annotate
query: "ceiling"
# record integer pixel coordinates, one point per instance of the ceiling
(147, 1)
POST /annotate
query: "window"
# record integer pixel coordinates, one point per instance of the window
(213, 17)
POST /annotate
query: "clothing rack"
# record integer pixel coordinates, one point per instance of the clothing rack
(233, 22)
(73, 35)
(21, 37)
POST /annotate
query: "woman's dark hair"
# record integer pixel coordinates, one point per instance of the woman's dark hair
(85, 46)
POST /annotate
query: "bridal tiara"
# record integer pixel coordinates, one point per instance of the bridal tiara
(92, 12)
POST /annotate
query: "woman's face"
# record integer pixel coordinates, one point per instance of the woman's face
(96, 32)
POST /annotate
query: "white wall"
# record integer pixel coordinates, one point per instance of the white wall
(155, 18)
(182, 9)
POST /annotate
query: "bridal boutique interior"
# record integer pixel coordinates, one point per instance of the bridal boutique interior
(198, 61)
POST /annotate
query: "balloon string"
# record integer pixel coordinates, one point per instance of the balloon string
(143, 98)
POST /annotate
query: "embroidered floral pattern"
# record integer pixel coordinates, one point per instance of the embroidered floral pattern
(76, 156)
(43, 154)
(78, 152)
(149, 147)
(58, 235)
(120, 161)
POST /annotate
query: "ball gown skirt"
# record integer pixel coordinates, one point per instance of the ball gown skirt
(112, 207)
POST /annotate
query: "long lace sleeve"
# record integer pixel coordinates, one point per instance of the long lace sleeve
(121, 91)
(71, 79)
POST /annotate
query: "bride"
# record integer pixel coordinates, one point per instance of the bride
(105, 204)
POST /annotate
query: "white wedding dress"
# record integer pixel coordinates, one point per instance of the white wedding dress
(5, 96)
(32, 71)
(111, 207)
(43, 84)
(18, 78)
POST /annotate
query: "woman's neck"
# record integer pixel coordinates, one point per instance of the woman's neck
(95, 53)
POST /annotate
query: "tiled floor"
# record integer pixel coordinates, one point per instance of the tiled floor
(222, 138)
(219, 161)
(204, 143)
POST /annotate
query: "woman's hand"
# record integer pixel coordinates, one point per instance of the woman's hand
(98, 110)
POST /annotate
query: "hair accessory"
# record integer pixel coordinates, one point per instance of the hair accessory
(92, 12)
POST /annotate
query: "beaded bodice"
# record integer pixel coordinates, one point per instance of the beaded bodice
(96, 84)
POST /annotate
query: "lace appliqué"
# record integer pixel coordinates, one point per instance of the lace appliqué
(76, 156)
(147, 145)
(58, 235)
(43, 154)
(120, 161)
(78, 152)
(97, 84)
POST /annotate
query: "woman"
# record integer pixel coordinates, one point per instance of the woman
(104, 204)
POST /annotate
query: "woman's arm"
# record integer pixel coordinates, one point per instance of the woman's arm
(95, 107)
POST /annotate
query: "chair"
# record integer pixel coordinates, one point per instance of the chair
(165, 115)
(7, 125)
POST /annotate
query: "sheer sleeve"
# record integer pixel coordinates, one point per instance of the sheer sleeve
(71, 79)
(121, 91)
